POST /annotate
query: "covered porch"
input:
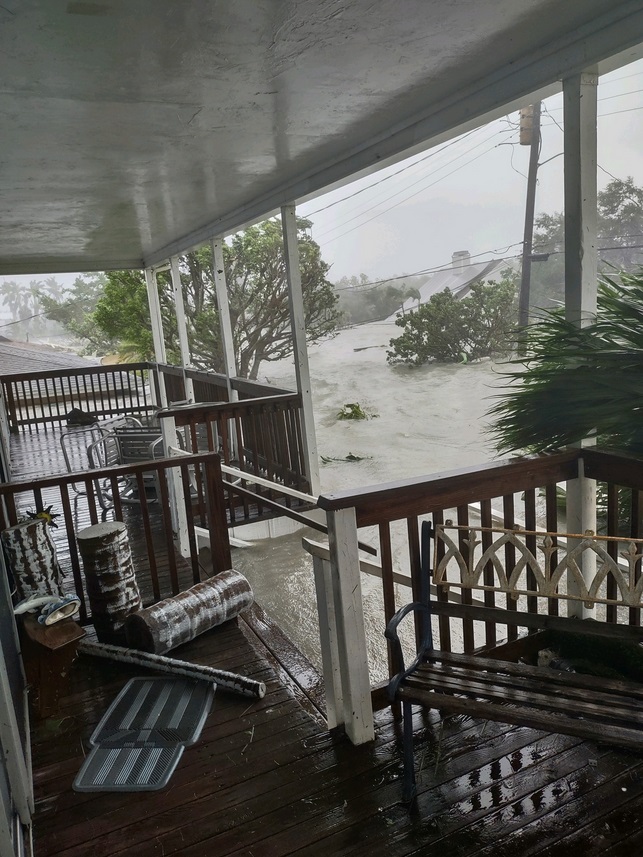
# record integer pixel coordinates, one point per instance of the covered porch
(155, 148)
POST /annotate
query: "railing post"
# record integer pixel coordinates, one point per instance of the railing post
(580, 156)
(351, 635)
(331, 667)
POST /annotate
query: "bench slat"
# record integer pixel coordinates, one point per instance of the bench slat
(536, 693)
(580, 680)
(525, 716)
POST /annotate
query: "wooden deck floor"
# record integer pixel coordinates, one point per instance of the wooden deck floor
(266, 779)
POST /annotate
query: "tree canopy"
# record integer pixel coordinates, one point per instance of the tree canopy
(257, 293)
(620, 236)
(449, 329)
(361, 301)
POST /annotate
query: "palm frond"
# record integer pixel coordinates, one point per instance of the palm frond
(576, 382)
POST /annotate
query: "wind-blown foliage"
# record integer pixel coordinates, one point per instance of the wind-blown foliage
(449, 329)
(576, 382)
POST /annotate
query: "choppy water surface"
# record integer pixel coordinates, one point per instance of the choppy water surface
(429, 419)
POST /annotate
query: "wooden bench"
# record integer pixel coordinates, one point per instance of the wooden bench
(483, 683)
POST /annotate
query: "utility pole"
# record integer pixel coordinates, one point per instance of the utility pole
(529, 136)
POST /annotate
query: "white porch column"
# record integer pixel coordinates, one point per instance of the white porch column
(181, 324)
(581, 261)
(349, 619)
(298, 327)
(225, 323)
(168, 427)
(156, 323)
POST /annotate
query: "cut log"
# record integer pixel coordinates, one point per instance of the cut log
(109, 575)
(169, 623)
(31, 556)
(223, 679)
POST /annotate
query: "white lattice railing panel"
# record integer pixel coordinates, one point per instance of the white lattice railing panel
(476, 558)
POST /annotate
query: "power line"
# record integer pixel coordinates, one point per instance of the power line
(444, 267)
(397, 173)
(410, 196)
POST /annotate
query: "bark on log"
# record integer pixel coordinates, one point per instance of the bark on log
(169, 623)
(31, 556)
(227, 680)
(109, 574)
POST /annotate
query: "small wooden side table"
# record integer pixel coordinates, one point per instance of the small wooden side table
(48, 652)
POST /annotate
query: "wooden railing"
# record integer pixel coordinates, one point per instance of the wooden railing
(39, 400)
(161, 569)
(211, 386)
(518, 493)
(261, 437)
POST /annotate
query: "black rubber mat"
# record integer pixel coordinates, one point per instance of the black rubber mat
(139, 741)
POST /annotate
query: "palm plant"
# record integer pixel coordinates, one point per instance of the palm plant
(575, 383)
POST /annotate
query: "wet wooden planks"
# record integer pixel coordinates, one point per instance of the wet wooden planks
(266, 779)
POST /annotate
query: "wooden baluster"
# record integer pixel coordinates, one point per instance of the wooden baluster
(530, 542)
(73, 551)
(635, 532)
(467, 624)
(388, 589)
(147, 531)
(444, 622)
(551, 523)
(162, 475)
(611, 589)
(508, 522)
(217, 524)
(187, 495)
(488, 573)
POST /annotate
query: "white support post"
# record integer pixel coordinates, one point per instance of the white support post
(156, 322)
(349, 618)
(225, 324)
(328, 638)
(298, 327)
(168, 426)
(581, 263)
(181, 324)
(227, 339)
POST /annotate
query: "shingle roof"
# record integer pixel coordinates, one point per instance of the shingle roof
(29, 357)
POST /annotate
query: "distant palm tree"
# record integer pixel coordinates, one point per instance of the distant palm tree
(576, 382)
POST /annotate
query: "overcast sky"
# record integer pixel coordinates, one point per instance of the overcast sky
(467, 194)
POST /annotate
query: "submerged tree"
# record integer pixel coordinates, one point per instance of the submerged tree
(576, 382)
(449, 329)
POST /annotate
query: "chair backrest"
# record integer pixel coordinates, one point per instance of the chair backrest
(74, 445)
(135, 443)
(104, 452)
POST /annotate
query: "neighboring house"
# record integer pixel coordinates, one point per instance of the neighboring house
(458, 278)
(28, 357)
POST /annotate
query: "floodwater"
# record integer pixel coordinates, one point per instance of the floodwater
(425, 420)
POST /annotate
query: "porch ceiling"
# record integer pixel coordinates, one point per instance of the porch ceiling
(132, 130)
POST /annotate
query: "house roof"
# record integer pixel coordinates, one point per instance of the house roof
(459, 280)
(19, 357)
(132, 131)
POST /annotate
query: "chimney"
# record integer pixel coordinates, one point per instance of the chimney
(460, 258)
